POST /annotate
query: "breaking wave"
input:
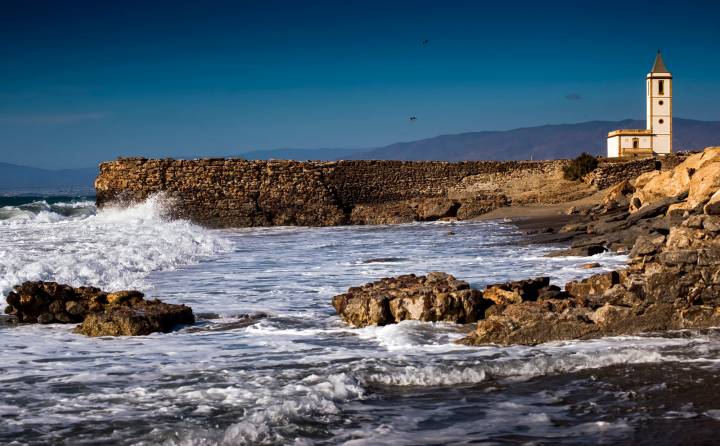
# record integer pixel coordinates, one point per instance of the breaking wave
(114, 248)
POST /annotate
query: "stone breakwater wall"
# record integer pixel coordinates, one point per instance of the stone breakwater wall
(240, 193)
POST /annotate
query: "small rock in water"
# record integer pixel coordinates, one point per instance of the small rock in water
(590, 265)
(450, 233)
(142, 318)
(122, 313)
(435, 297)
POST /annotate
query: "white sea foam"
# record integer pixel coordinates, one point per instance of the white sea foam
(300, 373)
(113, 249)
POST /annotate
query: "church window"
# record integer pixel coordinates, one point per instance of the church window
(636, 143)
(662, 121)
(661, 87)
(661, 102)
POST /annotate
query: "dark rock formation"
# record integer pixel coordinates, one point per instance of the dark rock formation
(101, 314)
(435, 297)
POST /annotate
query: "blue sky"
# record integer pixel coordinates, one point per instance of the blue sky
(84, 81)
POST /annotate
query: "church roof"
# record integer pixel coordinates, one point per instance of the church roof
(659, 65)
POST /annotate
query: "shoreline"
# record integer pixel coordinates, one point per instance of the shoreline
(541, 223)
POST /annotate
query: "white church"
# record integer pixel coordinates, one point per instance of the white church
(657, 137)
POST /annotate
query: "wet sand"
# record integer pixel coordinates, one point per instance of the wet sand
(542, 222)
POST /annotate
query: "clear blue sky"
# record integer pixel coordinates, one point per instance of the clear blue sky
(83, 81)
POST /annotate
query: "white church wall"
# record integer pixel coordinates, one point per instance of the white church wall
(613, 147)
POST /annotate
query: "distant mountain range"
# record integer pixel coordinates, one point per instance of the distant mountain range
(301, 154)
(30, 180)
(539, 143)
(543, 142)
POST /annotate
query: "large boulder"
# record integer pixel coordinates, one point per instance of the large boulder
(435, 297)
(698, 176)
(101, 314)
(704, 183)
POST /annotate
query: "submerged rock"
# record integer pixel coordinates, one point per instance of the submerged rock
(435, 297)
(122, 313)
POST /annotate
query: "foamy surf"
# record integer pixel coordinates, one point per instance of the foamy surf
(274, 364)
(113, 248)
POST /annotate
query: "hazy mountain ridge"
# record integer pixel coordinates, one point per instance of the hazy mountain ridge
(301, 154)
(18, 178)
(542, 142)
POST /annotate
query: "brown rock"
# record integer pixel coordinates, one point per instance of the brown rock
(593, 285)
(647, 245)
(139, 320)
(705, 183)
(516, 292)
(532, 323)
(121, 297)
(435, 297)
(618, 195)
(500, 296)
(610, 314)
(119, 313)
(712, 207)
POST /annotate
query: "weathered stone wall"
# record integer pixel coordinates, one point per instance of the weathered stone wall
(612, 171)
(240, 193)
(237, 193)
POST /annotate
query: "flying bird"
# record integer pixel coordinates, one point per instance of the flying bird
(425, 42)
(413, 118)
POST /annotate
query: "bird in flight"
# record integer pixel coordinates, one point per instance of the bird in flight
(425, 42)
(413, 118)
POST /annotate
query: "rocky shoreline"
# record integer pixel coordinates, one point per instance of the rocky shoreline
(667, 222)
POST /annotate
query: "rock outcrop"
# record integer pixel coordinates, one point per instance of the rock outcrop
(698, 177)
(435, 297)
(672, 280)
(122, 313)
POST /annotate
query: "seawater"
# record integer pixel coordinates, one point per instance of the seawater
(269, 361)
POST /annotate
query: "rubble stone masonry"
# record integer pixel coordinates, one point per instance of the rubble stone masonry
(240, 193)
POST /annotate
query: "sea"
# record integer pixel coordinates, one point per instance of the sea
(269, 362)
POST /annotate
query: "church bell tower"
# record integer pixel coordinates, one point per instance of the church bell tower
(659, 106)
